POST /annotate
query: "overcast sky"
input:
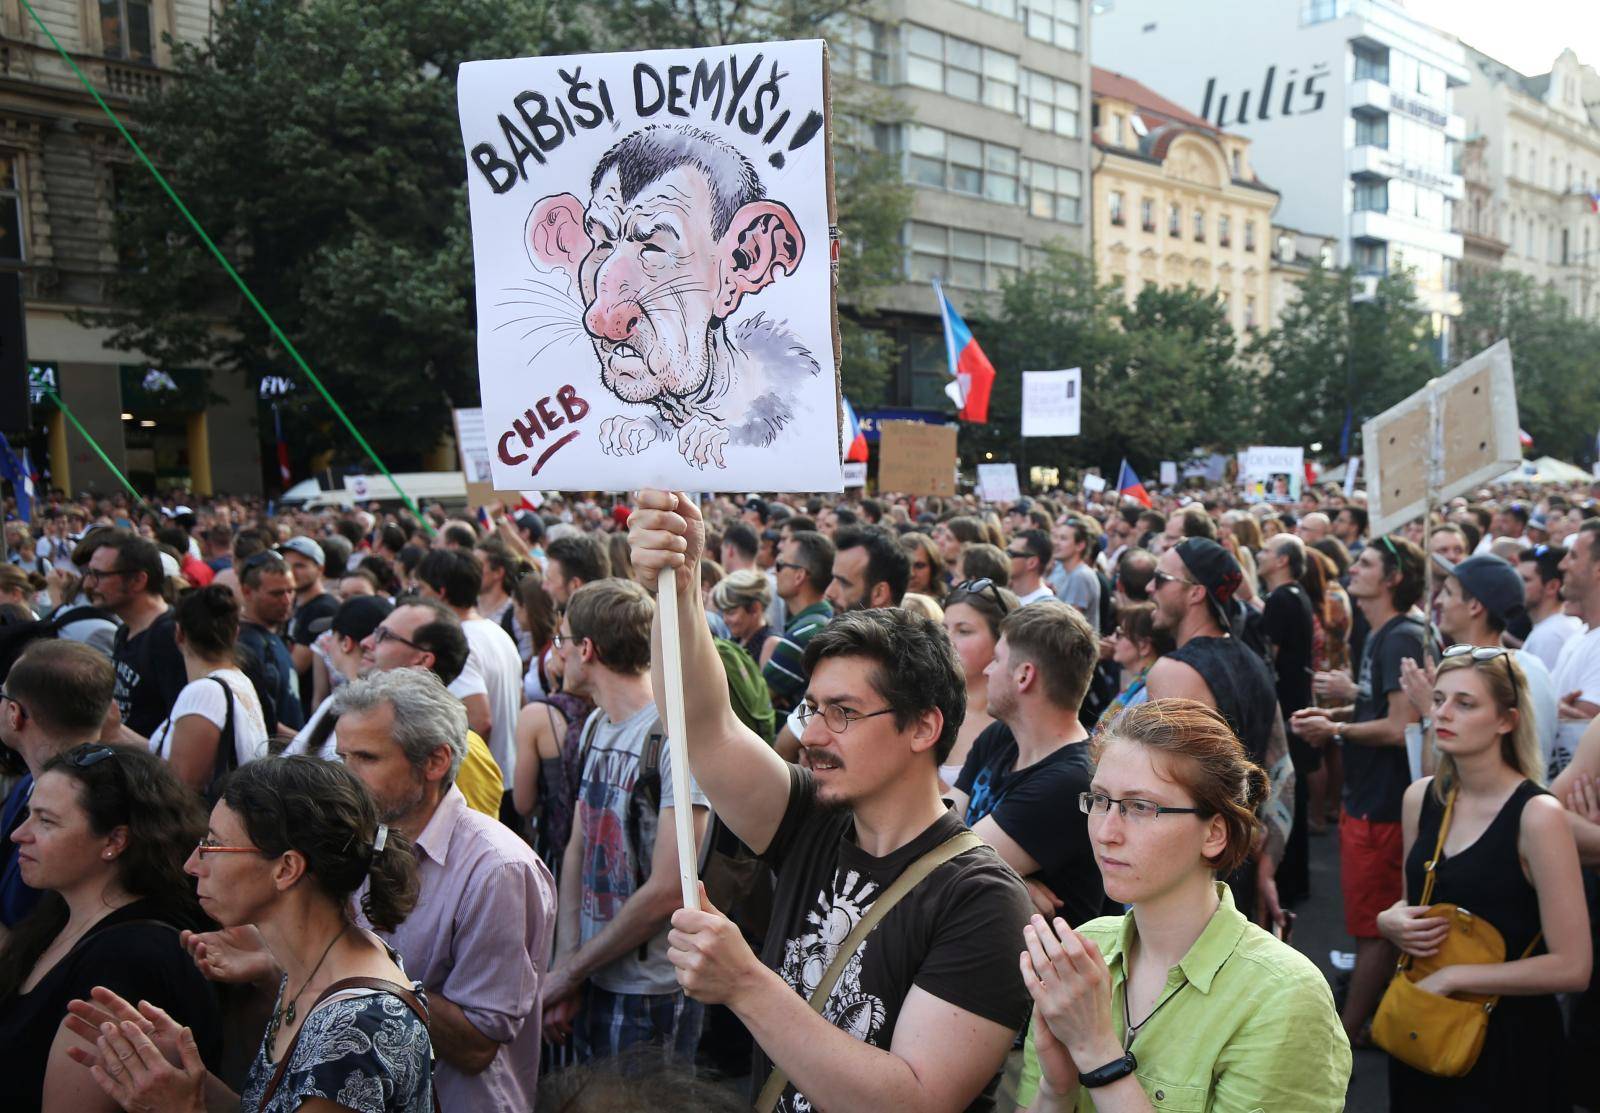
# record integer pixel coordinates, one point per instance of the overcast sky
(1526, 36)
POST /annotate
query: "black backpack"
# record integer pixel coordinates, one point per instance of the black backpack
(17, 636)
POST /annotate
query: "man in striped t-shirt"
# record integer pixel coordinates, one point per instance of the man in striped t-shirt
(804, 569)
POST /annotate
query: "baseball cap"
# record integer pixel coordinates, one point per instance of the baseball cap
(356, 617)
(1214, 569)
(306, 548)
(1493, 582)
(759, 505)
(1537, 520)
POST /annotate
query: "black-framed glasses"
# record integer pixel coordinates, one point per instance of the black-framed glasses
(1098, 803)
(384, 634)
(982, 586)
(1161, 578)
(1481, 653)
(1024, 555)
(88, 755)
(835, 717)
(559, 640)
(782, 564)
(100, 574)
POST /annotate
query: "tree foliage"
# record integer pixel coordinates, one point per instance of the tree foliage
(1160, 377)
(1553, 354)
(318, 144)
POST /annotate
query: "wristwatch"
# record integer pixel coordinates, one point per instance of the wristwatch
(1117, 1068)
(1338, 733)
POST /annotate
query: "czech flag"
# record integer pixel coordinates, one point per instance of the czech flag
(971, 372)
(1594, 202)
(855, 439)
(1129, 486)
(1524, 438)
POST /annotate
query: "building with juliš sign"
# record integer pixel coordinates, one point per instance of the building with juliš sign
(1348, 107)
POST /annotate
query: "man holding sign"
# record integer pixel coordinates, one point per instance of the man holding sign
(920, 1014)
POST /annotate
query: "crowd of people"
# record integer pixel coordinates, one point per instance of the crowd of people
(994, 806)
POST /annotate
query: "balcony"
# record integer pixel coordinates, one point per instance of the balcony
(131, 81)
(1393, 230)
(1369, 94)
(1368, 160)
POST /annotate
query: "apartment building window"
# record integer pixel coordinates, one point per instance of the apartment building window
(1054, 21)
(962, 165)
(1408, 75)
(861, 48)
(1516, 160)
(1116, 128)
(1238, 165)
(1249, 235)
(1199, 226)
(1049, 104)
(1174, 221)
(1224, 231)
(1005, 9)
(1370, 257)
(1372, 129)
(1250, 313)
(11, 246)
(127, 30)
(1320, 11)
(971, 260)
(1566, 247)
(1055, 192)
(1147, 215)
(961, 69)
(1372, 195)
(1372, 63)
(1115, 205)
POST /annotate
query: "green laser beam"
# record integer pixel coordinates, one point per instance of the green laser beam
(94, 444)
(233, 274)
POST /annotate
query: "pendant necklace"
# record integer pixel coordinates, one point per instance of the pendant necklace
(286, 1014)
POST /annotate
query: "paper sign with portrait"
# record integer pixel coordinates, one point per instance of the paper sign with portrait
(652, 254)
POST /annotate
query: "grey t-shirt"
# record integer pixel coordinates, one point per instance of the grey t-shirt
(1081, 588)
(619, 837)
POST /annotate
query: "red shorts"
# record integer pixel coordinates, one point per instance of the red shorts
(1369, 871)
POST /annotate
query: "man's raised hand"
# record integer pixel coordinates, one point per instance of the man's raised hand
(666, 531)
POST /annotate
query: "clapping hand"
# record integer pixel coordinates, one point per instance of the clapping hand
(141, 1058)
(1071, 989)
(1417, 681)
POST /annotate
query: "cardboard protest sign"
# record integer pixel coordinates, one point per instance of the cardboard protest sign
(472, 445)
(1272, 473)
(998, 482)
(1051, 403)
(1455, 433)
(917, 459)
(651, 243)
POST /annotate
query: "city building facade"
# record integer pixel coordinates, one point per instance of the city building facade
(1177, 203)
(1533, 178)
(60, 160)
(1347, 104)
(994, 100)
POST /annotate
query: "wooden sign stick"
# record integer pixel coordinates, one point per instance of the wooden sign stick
(677, 735)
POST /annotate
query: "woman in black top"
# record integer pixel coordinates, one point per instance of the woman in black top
(106, 835)
(1509, 858)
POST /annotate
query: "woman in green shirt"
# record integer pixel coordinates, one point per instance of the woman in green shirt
(1181, 1003)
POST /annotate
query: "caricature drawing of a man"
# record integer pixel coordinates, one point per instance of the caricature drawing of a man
(675, 235)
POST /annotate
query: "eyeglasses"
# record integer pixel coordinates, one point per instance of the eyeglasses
(86, 756)
(384, 634)
(100, 574)
(836, 718)
(1482, 653)
(1098, 803)
(780, 564)
(1024, 555)
(208, 846)
(1161, 578)
(982, 586)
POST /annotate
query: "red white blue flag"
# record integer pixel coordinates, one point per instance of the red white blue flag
(971, 373)
(855, 440)
(1129, 486)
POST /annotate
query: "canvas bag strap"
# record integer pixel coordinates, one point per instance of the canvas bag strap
(1433, 864)
(907, 881)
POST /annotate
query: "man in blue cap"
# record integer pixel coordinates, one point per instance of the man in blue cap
(1480, 597)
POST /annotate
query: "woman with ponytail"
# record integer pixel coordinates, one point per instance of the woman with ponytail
(290, 844)
(1181, 1002)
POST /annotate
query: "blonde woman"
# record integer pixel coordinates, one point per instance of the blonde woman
(742, 598)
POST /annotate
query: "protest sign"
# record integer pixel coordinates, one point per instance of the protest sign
(472, 445)
(855, 475)
(651, 245)
(1094, 484)
(1352, 469)
(1272, 473)
(998, 482)
(1169, 473)
(1051, 402)
(917, 459)
(1455, 433)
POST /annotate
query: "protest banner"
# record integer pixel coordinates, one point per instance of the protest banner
(1169, 473)
(653, 250)
(651, 244)
(472, 446)
(1273, 474)
(998, 482)
(917, 459)
(1093, 483)
(1352, 470)
(855, 475)
(1051, 402)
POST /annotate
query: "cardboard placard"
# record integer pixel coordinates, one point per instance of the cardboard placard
(1094, 484)
(998, 483)
(1455, 433)
(917, 459)
(1052, 403)
(652, 245)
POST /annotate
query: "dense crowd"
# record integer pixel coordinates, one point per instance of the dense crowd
(995, 806)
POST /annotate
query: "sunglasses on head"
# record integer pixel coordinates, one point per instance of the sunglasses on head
(1482, 653)
(982, 586)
